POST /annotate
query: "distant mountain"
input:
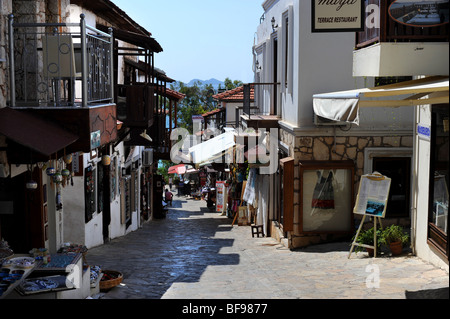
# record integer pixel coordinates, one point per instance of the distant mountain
(215, 83)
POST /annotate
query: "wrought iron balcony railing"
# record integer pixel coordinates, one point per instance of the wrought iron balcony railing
(60, 65)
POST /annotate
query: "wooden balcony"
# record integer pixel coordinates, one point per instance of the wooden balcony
(148, 110)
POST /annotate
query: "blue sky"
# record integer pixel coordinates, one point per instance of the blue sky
(201, 39)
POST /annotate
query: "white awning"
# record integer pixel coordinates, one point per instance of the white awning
(344, 105)
(211, 149)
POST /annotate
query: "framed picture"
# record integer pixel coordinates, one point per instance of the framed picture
(326, 194)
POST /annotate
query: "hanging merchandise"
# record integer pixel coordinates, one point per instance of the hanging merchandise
(57, 177)
(323, 196)
(50, 171)
(106, 160)
(58, 200)
(68, 158)
(31, 184)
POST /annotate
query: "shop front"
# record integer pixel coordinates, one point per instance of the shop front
(430, 158)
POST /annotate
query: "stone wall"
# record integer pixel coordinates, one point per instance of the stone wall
(5, 10)
(330, 148)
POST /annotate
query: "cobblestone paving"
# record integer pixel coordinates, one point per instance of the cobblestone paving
(196, 254)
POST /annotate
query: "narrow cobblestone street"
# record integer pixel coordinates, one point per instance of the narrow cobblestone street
(196, 254)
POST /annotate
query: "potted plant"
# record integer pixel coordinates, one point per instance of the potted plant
(395, 237)
(366, 237)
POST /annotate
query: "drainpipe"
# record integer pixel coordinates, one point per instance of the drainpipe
(84, 85)
(12, 75)
(111, 63)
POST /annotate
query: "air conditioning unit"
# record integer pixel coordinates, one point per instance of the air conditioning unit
(321, 121)
(147, 157)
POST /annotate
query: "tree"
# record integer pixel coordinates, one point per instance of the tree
(229, 84)
(199, 100)
(163, 167)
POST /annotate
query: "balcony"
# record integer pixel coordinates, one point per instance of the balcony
(403, 40)
(63, 72)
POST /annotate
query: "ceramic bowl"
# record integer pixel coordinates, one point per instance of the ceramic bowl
(4, 285)
(9, 279)
(18, 271)
(16, 276)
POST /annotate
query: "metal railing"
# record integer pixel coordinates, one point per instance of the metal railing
(60, 65)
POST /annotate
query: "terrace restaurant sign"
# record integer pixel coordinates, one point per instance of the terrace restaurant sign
(337, 15)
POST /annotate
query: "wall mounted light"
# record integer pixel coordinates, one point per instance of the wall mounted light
(274, 26)
(258, 67)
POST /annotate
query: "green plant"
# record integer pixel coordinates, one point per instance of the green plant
(394, 233)
(366, 237)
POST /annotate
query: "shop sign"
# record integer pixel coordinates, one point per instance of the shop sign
(220, 196)
(424, 131)
(95, 139)
(337, 15)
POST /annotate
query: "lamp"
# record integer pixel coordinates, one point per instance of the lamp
(273, 24)
(258, 67)
(146, 136)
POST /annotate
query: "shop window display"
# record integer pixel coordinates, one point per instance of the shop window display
(439, 179)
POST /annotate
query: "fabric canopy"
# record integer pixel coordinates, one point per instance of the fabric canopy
(177, 169)
(212, 148)
(36, 133)
(344, 105)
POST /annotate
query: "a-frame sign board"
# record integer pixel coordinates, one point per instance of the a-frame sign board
(371, 201)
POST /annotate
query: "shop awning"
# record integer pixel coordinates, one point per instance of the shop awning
(344, 105)
(211, 149)
(191, 171)
(177, 169)
(42, 136)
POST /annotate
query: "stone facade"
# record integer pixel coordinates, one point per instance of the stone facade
(330, 148)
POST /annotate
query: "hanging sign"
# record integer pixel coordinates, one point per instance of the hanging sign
(423, 13)
(337, 15)
(373, 195)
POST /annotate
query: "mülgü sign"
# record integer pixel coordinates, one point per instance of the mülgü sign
(337, 15)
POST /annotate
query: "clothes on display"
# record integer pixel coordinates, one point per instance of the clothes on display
(323, 196)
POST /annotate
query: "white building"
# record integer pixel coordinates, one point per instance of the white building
(294, 63)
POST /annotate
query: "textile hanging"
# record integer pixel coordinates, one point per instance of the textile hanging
(323, 196)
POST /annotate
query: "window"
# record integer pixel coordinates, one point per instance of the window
(275, 77)
(286, 52)
(439, 179)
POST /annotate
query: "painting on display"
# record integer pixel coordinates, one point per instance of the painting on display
(373, 195)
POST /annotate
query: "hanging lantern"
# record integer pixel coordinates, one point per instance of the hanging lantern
(50, 171)
(68, 158)
(65, 173)
(57, 177)
(106, 160)
(31, 185)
